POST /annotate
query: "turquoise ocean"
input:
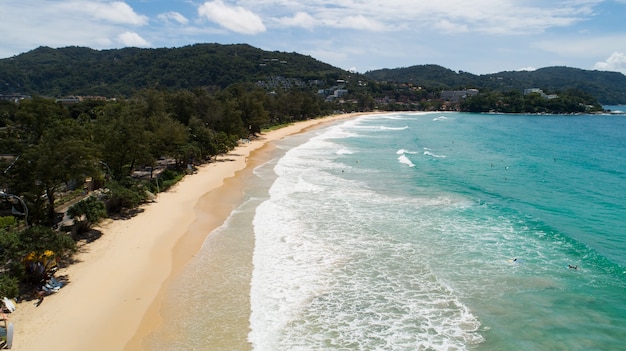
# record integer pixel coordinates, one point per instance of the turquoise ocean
(420, 231)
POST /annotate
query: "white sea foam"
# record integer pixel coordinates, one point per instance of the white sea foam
(440, 118)
(340, 131)
(393, 117)
(344, 152)
(401, 116)
(428, 153)
(372, 123)
(394, 128)
(405, 160)
(405, 151)
(331, 272)
(327, 286)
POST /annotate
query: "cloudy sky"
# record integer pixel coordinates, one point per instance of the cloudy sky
(478, 36)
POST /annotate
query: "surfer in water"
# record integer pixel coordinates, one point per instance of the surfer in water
(572, 267)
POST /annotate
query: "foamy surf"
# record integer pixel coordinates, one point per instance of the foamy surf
(326, 277)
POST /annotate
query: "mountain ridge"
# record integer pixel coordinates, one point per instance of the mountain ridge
(78, 70)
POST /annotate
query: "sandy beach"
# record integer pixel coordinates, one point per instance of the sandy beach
(114, 292)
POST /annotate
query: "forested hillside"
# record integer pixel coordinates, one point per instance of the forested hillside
(606, 87)
(426, 76)
(120, 72)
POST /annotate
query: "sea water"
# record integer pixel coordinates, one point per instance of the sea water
(435, 231)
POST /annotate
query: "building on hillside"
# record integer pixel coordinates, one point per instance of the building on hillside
(13, 97)
(455, 96)
(540, 92)
(340, 92)
(68, 100)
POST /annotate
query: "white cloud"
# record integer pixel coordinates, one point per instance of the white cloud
(451, 28)
(502, 17)
(115, 12)
(119, 12)
(358, 22)
(96, 24)
(300, 19)
(528, 69)
(615, 62)
(132, 39)
(342, 18)
(233, 18)
(173, 16)
(577, 46)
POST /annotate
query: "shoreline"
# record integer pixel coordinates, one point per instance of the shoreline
(213, 208)
(117, 285)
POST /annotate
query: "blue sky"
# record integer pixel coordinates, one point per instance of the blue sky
(479, 36)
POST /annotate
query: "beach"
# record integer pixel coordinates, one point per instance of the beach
(114, 291)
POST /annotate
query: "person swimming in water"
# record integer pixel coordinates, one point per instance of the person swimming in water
(572, 267)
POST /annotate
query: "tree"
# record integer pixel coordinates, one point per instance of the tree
(127, 193)
(166, 137)
(39, 239)
(123, 138)
(10, 262)
(253, 114)
(86, 213)
(181, 105)
(229, 119)
(202, 140)
(36, 241)
(35, 116)
(63, 153)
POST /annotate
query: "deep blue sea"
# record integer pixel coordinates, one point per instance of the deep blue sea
(434, 231)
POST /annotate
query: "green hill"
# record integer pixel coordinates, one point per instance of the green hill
(606, 87)
(430, 76)
(120, 72)
(84, 71)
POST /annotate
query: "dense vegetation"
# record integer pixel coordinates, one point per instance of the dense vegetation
(121, 72)
(570, 101)
(50, 149)
(607, 87)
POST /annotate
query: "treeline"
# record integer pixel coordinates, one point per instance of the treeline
(570, 101)
(49, 149)
(607, 87)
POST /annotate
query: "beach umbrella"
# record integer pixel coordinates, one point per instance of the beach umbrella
(41, 263)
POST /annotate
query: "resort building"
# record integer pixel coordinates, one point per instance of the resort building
(455, 96)
(540, 92)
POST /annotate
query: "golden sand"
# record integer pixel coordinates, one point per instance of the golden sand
(115, 290)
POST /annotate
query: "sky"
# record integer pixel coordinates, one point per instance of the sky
(478, 36)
